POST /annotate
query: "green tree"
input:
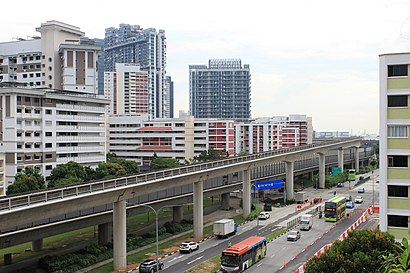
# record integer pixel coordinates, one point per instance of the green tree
(159, 163)
(109, 170)
(27, 180)
(397, 262)
(361, 252)
(211, 155)
(243, 153)
(71, 172)
(130, 166)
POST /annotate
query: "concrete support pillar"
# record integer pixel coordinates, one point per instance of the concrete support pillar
(226, 201)
(120, 233)
(246, 196)
(198, 209)
(104, 233)
(37, 245)
(322, 171)
(289, 180)
(340, 159)
(357, 159)
(177, 214)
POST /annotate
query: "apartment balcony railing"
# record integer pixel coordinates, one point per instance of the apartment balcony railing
(81, 118)
(81, 107)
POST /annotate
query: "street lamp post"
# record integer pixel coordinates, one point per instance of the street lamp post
(373, 190)
(156, 226)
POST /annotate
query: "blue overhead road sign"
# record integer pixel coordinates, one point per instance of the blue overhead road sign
(269, 184)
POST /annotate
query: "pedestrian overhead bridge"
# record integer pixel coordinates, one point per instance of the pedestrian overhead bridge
(18, 210)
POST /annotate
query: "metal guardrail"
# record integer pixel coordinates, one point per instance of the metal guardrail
(9, 203)
(294, 222)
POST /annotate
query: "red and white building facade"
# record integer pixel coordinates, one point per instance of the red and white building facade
(267, 134)
(137, 137)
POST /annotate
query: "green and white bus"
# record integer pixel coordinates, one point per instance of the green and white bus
(335, 209)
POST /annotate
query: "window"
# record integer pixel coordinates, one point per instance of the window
(397, 221)
(18, 110)
(397, 161)
(49, 167)
(19, 134)
(27, 99)
(27, 134)
(48, 112)
(397, 191)
(28, 146)
(48, 134)
(37, 134)
(397, 101)
(49, 145)
(396, 131)
(48, 156)
(397, 70)
(19, 146)
(27, 111)
(37, 145)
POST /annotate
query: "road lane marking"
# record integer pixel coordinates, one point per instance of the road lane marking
(179, 257)
(272, 256)
(195, 260)
(259, 264)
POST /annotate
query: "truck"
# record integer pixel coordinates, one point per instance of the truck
(300, 197)
(306, 221)
(224, 228)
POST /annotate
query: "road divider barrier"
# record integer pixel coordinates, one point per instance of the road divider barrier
(345, 234)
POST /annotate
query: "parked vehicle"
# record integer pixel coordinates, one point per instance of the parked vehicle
(358, 199)
(224, 228)
(361, 190)
(340, 185)
(306, 221)
(300, 197)
(150, 266)
(264, 215)
(350, 205)
(293, 235)
(188, 247)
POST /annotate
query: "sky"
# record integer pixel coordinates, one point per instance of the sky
(319, 57)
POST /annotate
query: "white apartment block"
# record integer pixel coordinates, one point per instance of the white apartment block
(44, 129)
(2, 174)
(127, 89)
(138, 138)
(267, 134)
(56, 60)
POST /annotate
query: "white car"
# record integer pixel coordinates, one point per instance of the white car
(188, 247)
(358, 199)
(293, 235)
(264, 215)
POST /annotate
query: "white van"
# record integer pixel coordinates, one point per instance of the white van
(306, 221)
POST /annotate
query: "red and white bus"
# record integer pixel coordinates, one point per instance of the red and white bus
(242, 255)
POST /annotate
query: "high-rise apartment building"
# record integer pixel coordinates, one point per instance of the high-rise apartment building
(127, 89)
(147, 48)
(169, 95)
(220, 90)
(138, 137)
(45, 128)
(55, 60)
(395, 144)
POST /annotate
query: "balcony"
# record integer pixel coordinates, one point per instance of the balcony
(81, 118)
(81, 159)
(80, 139)
(81, 108)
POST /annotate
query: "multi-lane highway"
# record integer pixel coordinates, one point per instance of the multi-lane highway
(281, 251)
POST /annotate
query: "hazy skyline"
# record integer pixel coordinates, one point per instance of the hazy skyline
(318, 58)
